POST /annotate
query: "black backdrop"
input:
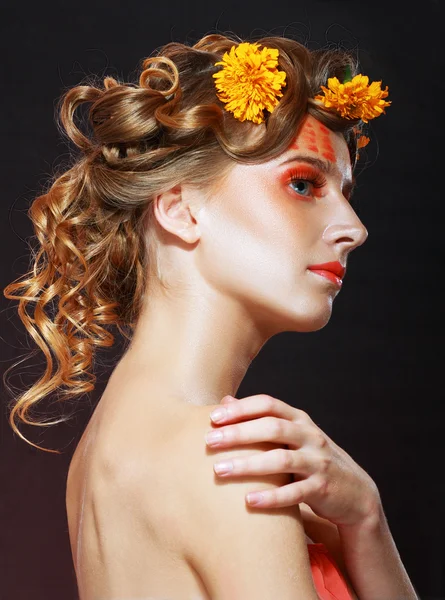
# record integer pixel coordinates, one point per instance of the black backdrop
(370, 379)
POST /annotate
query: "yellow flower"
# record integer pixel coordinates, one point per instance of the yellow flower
(355, 99)
(250, 81)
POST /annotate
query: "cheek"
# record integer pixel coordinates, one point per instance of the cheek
(254, 243)
(237, 240)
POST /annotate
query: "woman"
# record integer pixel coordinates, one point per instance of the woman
(209, 211)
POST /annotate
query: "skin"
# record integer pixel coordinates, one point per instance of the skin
(326, 478)
(238, 267)
(316, 138)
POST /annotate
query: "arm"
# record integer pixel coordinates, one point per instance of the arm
(246, 553)
(364, 548)
(322, 530)
(373, 562)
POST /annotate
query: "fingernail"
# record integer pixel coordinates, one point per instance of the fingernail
(254, 498)
(213, 437)
(223, 467)
(219, 414)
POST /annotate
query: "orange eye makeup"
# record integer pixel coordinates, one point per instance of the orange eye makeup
(314, 151)
(306, 175)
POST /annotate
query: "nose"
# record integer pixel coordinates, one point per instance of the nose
(346, 233)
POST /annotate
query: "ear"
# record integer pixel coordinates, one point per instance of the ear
(174, 213)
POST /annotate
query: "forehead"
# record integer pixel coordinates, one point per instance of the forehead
(315, 138)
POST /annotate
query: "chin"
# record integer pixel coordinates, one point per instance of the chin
(311, 321)
(305, 314)
(313, 325)
(317, 316)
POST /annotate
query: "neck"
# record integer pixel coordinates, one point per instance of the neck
(198, 345)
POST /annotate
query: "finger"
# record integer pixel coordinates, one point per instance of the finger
(260, 404)
(278, 460)
(228, 399)
(264, 429)
(285, 495)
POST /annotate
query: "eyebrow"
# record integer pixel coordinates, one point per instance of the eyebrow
(325, 167)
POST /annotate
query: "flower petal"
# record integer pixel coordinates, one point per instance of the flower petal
(250, 81)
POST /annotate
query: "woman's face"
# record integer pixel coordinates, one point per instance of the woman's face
(269, 222)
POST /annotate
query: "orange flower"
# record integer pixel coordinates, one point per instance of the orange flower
(250, 81)
(355, 99)
(362, 141)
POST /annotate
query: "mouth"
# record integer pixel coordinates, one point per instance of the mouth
(333, 271)
(334, 268)
(328, 275)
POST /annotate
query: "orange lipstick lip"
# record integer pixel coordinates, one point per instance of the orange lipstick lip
(329, 275)
(334, 267)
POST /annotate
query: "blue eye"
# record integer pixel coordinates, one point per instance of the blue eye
(305, 183)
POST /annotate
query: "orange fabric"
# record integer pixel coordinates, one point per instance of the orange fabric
(328, 579)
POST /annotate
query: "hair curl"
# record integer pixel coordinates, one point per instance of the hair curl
(144, 139)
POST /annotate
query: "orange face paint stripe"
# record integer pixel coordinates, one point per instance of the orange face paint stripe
(315, 138)
(323, 128)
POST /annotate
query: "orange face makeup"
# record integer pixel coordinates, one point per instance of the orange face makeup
(308, 174)
(314, 136)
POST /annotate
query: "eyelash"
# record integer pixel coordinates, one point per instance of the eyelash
(314, 178)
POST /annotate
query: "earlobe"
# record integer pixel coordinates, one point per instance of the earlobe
(190, 233)
(174, 215)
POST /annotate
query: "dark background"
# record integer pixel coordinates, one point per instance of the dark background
(370, 379)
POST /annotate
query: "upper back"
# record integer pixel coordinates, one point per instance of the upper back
(123, 500)
(147, 514)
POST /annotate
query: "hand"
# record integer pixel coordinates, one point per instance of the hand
(325, 476)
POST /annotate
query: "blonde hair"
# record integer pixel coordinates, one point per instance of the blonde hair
(90, 224)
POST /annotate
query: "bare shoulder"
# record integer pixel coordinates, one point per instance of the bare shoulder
(205, 457)
(219, 494)
(265, 550)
